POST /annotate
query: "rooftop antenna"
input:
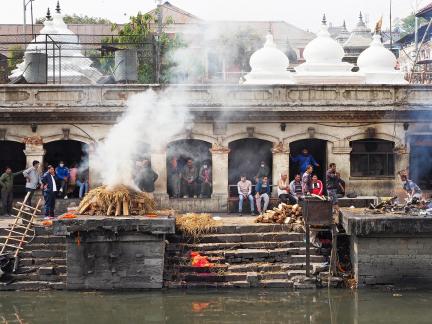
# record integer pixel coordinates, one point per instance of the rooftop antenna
(58, 7)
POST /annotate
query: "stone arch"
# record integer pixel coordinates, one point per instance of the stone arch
(177, 154)
(194, 136)
(245, 157)
(383, 136)
(244, 135)
(70, 151)
(305, 136)
(12, 155)
(72, 136)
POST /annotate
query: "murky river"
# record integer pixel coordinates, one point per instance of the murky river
(236, 306)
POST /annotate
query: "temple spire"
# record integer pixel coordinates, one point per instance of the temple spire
(361, 17)
(344, 25)
(58, 7)
(48, 14)
(324, 20)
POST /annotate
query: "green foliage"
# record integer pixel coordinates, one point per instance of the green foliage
(16, 55)
(138, 33)
(408, 24)
(80, 19)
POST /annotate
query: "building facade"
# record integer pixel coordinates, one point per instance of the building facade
(369, 131)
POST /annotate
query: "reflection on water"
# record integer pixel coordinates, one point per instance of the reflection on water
(229, 306)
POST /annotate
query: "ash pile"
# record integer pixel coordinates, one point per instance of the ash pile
(410, 207)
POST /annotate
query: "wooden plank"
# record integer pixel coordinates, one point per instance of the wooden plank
(13, 238)
(125, 207)
(12, 246)
(12, 231)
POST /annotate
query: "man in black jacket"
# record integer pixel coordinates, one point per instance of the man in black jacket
(147, 178)
(49, 191)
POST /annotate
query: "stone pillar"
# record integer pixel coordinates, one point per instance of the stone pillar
(339, 153)
(94, 179)
(159, 165)
(280, 163)
(33, 150)
(220, 176)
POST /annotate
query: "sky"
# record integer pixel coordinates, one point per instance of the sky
(306, 14)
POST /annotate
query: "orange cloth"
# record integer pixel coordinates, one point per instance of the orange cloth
(200, 261)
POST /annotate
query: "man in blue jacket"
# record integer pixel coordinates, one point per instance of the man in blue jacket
(49, 188)
(304, 159)
(62, 173)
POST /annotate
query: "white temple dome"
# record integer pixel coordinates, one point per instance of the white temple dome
(73, 67)
(377, 64)
(376, 57)
(269, 66)
(269, 58)
(323, 49)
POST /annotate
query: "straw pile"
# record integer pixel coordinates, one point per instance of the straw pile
(116, 201)
(284, 214)
(195, 225)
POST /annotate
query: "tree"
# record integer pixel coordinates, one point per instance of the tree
(408, 24)
(138, 33)
(80, 19)
(16, 55)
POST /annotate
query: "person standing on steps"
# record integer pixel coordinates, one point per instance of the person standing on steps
(49, 187)
(32, 176)
(6, 186)
(304, 159)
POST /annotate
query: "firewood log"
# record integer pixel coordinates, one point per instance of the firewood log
(125, 207)
(110, 209)
(118, 208)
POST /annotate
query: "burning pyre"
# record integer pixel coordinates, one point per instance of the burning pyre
(116, 201)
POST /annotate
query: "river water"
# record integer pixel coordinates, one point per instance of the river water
(229, 306)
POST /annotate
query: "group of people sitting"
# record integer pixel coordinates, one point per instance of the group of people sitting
(289, 192)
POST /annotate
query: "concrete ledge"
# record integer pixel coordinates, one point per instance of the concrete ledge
(362, 224)
(159, 225)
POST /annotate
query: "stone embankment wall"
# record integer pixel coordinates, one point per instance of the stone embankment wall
(389, 249)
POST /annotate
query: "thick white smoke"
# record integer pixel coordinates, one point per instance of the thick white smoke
(152, 118)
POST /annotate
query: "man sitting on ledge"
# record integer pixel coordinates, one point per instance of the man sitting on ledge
(244, 188)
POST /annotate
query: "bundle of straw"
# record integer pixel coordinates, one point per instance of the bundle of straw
(195, 225)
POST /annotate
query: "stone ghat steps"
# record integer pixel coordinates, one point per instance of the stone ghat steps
(280, 236)
(239, 245)
(264, 255)
(42, 263)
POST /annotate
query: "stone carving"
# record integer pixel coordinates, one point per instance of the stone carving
(66, 133)
(280, 148)
(33, 140)
(218, 148)
(400, 149)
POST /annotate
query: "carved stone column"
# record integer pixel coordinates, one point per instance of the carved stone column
(220, 176)
(339, 153)
(33, 150)
(280, 162)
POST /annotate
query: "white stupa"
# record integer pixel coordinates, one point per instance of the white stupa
(377, 64)
(75, 68)
(324, 64)
(269, 65)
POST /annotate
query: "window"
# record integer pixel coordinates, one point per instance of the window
(372, 158)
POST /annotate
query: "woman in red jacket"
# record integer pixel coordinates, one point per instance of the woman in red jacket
(317, 186)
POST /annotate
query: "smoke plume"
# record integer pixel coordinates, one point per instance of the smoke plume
(151, 119)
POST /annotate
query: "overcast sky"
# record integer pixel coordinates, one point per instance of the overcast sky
(303, 13)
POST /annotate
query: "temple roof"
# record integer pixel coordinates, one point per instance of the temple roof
(360, 37)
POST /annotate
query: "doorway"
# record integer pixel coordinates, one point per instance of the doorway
(317, 148)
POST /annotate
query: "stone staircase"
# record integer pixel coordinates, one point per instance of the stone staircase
(260, 255)
(42, 263)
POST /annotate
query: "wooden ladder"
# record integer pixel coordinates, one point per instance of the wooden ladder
(21, 231)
